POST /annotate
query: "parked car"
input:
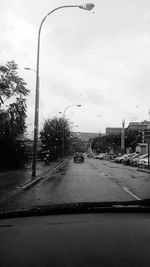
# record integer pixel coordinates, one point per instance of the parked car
(136, 156)
(100, 156)
(78, 157)
(126, 160)
(120, 158)
(109, 156)
(144, 162)
(135, 161)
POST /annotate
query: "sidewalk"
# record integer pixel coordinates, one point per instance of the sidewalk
(143, 170)
(15, 180)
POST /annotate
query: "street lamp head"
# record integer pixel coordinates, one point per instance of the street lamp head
(88, 6)
(27, 68)
(79, 105)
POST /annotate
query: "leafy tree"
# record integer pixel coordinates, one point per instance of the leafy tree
(77, 144)
(52, 136)
(12, 115)
(106, 143)
(132, 138)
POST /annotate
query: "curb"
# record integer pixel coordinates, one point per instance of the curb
(141, 170)
(36, 180)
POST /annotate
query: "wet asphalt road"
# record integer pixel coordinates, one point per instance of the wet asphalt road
(93, 180)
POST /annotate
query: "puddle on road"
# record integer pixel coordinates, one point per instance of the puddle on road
(62, 173)
(56, 177)
(147, 179)
(103, 174)
(93, 166)
(133, 176)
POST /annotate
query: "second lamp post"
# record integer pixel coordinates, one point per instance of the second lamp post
(63, 129)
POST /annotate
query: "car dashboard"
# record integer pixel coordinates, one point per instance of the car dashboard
(90, 239)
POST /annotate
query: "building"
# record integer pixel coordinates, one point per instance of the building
(113, 130)
(142, 148)
(139, 126)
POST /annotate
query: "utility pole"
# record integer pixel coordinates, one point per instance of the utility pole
(123, 137)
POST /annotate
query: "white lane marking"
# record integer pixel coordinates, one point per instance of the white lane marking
(129, 192)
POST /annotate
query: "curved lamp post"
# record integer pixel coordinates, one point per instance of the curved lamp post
(88, 6)
(63, 129)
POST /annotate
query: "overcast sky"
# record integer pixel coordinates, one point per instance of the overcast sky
(99, 59)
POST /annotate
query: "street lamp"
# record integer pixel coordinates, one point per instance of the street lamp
(88, 6)
(63, 129)
(123, 137)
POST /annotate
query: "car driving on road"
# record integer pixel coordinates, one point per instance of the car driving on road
(78, 157)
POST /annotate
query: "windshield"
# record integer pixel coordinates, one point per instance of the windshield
(74, 102)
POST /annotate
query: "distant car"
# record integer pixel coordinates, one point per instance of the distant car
(100, 156)
(85, 154)
(120, 158)
(78, 157)
(109, 156)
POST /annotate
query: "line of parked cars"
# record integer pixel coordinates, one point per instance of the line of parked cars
(100, 156)
(133, 159)
(107, 156)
